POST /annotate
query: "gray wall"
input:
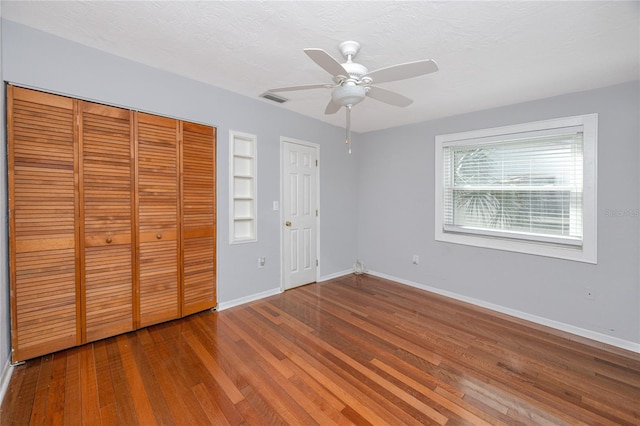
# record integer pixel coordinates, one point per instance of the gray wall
(396, 219)
(39, 60)
(5, 343)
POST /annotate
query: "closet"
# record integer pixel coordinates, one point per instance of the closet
(112, 220)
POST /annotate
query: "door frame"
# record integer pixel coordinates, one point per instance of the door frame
(316, 147)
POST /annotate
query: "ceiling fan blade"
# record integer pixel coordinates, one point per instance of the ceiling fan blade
(403, 71)
(303, 87)
(389, 97)
(332, 107)
(326, 62)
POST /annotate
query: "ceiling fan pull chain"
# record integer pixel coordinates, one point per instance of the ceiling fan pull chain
(348, 129)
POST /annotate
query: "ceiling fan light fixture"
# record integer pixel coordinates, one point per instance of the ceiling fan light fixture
(348, 95)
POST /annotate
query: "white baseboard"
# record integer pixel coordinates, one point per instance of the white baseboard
(251, 298)
(5, 376)
(335, 275)
(582, 332)
(257, 296)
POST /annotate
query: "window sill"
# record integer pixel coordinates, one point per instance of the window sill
(585, 253)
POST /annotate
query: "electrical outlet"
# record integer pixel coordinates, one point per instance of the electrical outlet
(589, 294)
(261, 262)
(415, 259)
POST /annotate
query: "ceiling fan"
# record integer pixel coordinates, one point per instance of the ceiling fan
(352, 82)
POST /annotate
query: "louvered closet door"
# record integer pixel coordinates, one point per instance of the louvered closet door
(158, 216)
(42, 210)
(106, 191)
(199, 217)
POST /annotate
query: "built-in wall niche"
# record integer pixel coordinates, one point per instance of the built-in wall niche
(242, 190)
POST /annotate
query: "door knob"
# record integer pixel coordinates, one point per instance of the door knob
(287, 223)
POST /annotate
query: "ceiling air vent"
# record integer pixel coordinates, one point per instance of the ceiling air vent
(274, 98)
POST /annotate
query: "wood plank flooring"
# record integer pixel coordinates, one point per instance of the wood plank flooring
(354, 350)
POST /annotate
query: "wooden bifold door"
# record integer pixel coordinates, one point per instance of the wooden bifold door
(112, 220)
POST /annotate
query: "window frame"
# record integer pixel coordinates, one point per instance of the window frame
(587, 251)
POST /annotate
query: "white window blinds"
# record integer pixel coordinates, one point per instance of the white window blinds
(526, 186)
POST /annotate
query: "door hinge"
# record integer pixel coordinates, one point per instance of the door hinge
(316, 212)
(316, 163)
(316, 262)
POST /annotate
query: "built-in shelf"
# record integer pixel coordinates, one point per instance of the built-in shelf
(242, 187)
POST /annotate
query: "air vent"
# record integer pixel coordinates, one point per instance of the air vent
(274, 98)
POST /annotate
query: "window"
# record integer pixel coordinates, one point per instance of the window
(529, 188)
(242, 191)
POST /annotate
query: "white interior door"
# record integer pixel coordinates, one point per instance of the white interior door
(299, 213)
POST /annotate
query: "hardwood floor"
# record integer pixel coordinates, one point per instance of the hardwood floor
(357, 349)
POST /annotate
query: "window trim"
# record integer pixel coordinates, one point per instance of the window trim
(587, 252)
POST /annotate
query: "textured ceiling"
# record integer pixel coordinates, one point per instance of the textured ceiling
(489, 53)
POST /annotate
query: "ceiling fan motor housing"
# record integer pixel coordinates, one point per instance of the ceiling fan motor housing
(355, 70)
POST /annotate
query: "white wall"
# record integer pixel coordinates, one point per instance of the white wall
(39, 60)
(396, 220)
